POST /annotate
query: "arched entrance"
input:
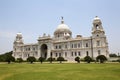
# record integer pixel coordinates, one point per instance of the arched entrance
(44, 51)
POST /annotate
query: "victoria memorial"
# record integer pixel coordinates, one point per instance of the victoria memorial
(62, 44)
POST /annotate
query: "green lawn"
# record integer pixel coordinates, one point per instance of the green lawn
(65, 71)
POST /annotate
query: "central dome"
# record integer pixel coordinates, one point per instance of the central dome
(62, 31)
(62, 27)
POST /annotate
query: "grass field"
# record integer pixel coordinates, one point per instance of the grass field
(65, 71)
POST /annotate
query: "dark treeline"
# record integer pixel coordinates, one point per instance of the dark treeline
(4, 56)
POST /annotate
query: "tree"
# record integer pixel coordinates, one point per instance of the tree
(77, 59)
(31, 59)
(19, 60)
(118, 60)
(9, 59)
(41, 59)
(87, 59)
(5, 55)
(60, 59)
(51, 59)
(2, 58)
(113, 55)
(101, 58)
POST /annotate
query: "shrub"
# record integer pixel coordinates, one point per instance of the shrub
(41, 59)
(51, 59)
(88, 59)
(19, 60)
(31, 59)
(77, 59)
(60, 59)
(101, 58)
(118, 60)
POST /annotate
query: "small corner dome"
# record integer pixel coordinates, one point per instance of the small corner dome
(96, 18)
(19, 34)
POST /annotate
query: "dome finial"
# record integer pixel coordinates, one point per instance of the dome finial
(96, 16)
(62, 21)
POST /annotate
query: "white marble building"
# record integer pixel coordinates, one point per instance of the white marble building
(62, 44)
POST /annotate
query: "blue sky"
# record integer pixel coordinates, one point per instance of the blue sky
(35, 17)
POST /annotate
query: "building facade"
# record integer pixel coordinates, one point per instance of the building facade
(62, 44)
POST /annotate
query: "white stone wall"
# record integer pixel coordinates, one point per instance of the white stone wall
(65, 46)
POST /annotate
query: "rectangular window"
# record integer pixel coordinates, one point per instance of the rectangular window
(75, 45)
(59, 54)
(33, 49)
(56, 54)
(66, 46)
(65, 54)
(21, 49)
(15, 49)
(78, 45)
(99, 52)
(75, 54)
(56, 47)
(36, 53)
(51, 54)
(98, 43)
(59, 46)
(78, 53)
(26, 49)
(72, 46)
(72, 54)
(86, 44)
(87, 54)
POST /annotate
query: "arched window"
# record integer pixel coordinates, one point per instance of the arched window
(97, 26)
(97, 35)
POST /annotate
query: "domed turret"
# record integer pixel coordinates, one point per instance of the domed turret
(97, 24)
(62, 31)
(18, 39)
(97, 29)
(97, 20)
